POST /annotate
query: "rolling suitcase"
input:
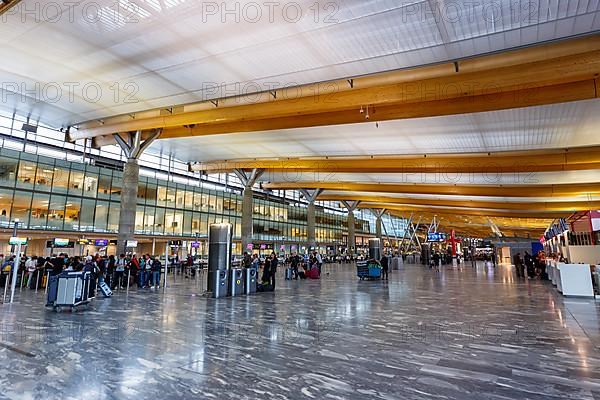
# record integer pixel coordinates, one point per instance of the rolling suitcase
(105, 289)
(288, 274)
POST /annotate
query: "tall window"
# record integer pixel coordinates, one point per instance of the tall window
(113, 217)
(72, 213)
(101, 217)
(60, 183)
(8, 171)
(39, 211)
(21, 207)
(104, 184)
(26, 175)
(88, 208)
(6, 202)
(56, 212)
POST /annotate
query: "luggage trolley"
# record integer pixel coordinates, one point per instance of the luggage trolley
(69, 289)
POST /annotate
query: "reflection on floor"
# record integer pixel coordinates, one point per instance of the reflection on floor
(468, 333)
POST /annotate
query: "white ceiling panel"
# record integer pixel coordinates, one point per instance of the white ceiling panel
(552, 126)
(171, 49)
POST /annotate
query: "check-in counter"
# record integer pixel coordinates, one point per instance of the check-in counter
(574, 280)
(551, 270)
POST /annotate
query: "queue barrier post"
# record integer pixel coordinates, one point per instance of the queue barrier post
(47, 282)
(5, 288)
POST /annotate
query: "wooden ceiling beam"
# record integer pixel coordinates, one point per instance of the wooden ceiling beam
(467, 212)
(572, 159)
(559, 206)
(524, 190)
(575, 91)
(479, 84)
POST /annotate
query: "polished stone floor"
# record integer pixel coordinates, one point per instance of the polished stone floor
(468, 333)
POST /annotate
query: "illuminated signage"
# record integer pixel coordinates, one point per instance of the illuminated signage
(13, 241)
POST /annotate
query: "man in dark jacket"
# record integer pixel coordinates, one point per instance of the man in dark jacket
(385, 264)
(529, 265)
(247, 261)
(295, 263)
(274, 262)
(518, 261)
(58, 264)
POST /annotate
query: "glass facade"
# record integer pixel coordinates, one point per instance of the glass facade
(57, 195)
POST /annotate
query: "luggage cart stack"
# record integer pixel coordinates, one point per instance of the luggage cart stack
(69, 289)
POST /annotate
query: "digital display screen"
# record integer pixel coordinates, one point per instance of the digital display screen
(436, 237)
(101, 242)
(131, 243)
(61, 242)
(195, 245)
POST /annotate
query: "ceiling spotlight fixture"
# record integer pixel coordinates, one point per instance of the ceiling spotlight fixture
(362, 110)
(367, 116)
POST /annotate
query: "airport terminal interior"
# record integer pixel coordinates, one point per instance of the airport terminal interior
(347, 199)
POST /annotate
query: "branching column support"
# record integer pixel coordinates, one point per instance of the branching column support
(351, 206)
(311, 219)
(248, 179)
(133, 147)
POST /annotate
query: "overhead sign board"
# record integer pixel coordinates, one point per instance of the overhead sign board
(13, 241)
(436, 237)
(58, 242)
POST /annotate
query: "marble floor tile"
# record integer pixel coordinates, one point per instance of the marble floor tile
(468, 333)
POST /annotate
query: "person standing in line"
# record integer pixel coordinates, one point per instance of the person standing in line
(266, 278)
(30, 265)
(58, 264)
(319, 261)
(149, 276)
(110, 270)
(385, 265)
(141, 265)
(156, 267)
(119, 278)
(255, 262)
(273, 268)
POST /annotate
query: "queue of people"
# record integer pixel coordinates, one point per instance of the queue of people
(308, 266)
(122, 271)
(533, 267)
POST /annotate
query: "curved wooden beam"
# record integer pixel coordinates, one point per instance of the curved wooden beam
(573, 159)
(549, 206)
(547, 74)
(563, 190)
